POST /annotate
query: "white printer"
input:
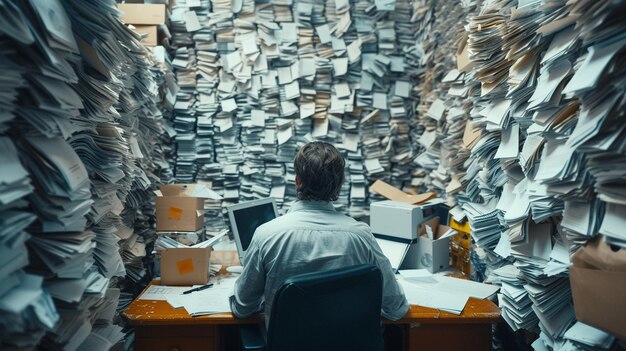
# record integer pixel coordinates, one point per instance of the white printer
(396, 219)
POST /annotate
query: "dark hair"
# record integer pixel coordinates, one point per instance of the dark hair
(319, 167)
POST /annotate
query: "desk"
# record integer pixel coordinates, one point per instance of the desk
(158, 327)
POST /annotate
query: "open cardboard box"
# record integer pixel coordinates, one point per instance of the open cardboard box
(598, 281)
(434, 254)
(185, 266)
(180, 207)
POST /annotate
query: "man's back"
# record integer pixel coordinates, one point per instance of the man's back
(312, 237)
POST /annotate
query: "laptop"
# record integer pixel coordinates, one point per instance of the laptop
(245, 218)
(394, 249)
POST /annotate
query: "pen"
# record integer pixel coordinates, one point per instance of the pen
(198, 288)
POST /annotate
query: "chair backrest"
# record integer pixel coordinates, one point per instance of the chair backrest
(333, 310)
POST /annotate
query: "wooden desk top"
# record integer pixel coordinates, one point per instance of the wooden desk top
(151, 312)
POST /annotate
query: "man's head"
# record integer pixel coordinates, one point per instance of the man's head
(319, 172)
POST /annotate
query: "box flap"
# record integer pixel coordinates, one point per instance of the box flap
(205, 192)
(395, 194)
(433, 223)
(443, 231)
(176, 189)
(189, 190)
(597, 254)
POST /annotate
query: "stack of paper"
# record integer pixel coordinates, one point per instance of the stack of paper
(208, 301)
(484, 223)
(276, 76)
(27, 311)
(103, 338)
(516, 306)
(20, 293)
(63, 197)
(13, 80)
(441, 292)
(90, 132)
(584, 337)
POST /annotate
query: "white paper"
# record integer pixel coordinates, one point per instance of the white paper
(161, 292)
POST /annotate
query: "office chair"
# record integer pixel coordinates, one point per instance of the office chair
(333, 310)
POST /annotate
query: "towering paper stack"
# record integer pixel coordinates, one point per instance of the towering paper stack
(81, 154)
(282, 74)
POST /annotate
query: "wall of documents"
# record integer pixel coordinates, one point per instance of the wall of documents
(81, 150)
(522, 127)
(258, 80)
(512, 110)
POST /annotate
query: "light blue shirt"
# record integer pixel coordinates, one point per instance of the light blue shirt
(312, 237)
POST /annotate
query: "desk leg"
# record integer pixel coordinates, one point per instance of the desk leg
(449, 337)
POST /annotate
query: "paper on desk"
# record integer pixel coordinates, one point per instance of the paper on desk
(417, 275)
(161, 292)
(208, 301)
(456, 285)
(441, 300)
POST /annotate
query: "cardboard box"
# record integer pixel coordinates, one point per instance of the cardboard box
(168, 3)
(143, 13)
(433, 254)
(185, 266)
(598, 281)
(153, 34)
(180, 207)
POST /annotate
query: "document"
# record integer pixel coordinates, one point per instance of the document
(445, 301)
(215, 299)
(162, 292)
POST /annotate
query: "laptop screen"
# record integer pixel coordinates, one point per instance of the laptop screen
(246, 217)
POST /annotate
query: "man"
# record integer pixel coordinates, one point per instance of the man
(312, 237)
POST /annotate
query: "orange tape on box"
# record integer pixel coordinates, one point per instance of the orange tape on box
(185, 266)
(175, 213)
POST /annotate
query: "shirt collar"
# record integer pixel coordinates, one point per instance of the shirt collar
(304, 205)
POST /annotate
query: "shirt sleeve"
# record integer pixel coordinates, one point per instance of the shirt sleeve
(249, 287)
(394, 305)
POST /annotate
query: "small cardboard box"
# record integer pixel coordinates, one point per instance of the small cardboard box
(180, 207)
(185, 266)
(152, 31)
(434, 254)
(143, 13)
(598, 281)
